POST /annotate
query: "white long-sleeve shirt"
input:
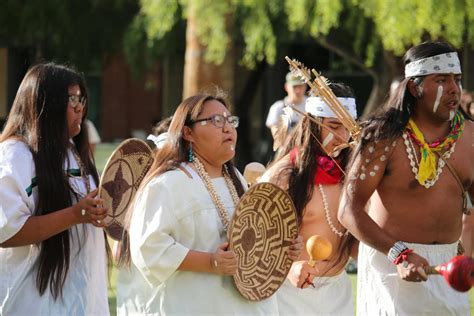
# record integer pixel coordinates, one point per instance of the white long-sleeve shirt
(85, 289)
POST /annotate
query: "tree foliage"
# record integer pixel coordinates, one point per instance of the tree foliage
(77, 31)
(406, 22)
(371, 25)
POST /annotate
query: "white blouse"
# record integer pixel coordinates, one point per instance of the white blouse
(174, 214)
(85, 289)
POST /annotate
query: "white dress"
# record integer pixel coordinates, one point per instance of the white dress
(85, 289)
(380, 291)
(329, 296)
(175, 214)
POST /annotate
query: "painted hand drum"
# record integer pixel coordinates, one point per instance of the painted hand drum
(261, 232)
(123, 173)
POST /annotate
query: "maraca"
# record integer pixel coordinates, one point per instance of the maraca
(318, 248)
(458, 272)
(253, 171)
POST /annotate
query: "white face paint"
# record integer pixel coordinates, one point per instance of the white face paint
(451, 115)
(438, 98)
(232, 148)
(328, 139)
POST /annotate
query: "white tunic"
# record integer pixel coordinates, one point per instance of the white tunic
(175, 214)
(380, 291)
(329, 296)
(277, 110)
(85, 289)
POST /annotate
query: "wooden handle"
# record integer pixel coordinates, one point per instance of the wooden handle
(432, 270)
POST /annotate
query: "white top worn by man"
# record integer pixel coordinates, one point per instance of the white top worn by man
(295, 88)
(401, 200)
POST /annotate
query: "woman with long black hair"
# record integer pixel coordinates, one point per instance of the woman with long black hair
(314, 182)
(53, 253)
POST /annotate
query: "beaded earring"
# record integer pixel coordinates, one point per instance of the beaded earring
(190, 152)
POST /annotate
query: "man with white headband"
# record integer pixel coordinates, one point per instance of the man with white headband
(408, 187)
(313, 180)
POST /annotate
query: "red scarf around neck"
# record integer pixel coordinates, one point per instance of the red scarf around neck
(326, 171)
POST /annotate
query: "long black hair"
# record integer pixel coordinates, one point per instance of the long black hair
(301, 173)
(38, 118)
(389, 122)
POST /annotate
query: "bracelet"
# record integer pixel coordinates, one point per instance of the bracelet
(403, 256)
(396, 251)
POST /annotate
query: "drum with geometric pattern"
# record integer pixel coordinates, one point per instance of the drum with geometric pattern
(262, 229)
(123, 173)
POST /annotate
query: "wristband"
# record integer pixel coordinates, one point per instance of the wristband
(396, 251)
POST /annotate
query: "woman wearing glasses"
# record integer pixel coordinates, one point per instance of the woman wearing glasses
(180, 263)
(53, 253)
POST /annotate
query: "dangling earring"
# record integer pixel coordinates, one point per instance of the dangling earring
(190, 152)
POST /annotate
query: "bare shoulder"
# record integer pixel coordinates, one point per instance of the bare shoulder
(278, 173)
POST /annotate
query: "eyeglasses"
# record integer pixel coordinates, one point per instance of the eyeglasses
(74, 100)
(219, 120)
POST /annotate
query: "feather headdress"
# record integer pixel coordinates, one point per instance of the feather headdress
(319, 87)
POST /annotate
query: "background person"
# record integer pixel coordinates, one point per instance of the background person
(295, 89)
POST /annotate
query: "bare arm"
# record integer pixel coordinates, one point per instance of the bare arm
(353, 216)
(357, 192)
(467, 236)
(39, 228)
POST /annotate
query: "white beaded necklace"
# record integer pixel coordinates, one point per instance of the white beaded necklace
(328, 215)
(224, 216)
(412, 156)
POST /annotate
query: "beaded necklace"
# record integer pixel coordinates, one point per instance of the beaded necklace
(224, 216)
(328, 215)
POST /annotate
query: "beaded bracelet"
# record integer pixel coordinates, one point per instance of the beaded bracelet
(396, 251)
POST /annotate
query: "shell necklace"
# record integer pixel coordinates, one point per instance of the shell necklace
(328, 215)
(414, 163)
(212, 191)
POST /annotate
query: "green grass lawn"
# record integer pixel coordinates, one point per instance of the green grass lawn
(103, 151)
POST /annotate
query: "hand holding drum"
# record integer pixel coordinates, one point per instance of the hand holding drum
(318, 248)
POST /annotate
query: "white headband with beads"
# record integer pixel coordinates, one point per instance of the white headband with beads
(447, 63)
(317, 107)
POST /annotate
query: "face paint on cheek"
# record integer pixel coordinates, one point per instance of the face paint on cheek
(451, 115)
(438, 99)
(328, 139)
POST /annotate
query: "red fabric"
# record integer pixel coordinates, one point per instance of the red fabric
(327, 172)
(403, 256)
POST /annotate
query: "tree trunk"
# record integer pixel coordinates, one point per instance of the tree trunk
(199, 75)
(388, 70)
(242, 109)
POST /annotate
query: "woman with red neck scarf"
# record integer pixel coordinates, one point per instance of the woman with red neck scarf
(310, 168)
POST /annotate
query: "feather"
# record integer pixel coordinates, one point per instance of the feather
(283, 127)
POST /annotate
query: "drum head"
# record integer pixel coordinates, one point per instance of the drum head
(261, 232)
(123, 173)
